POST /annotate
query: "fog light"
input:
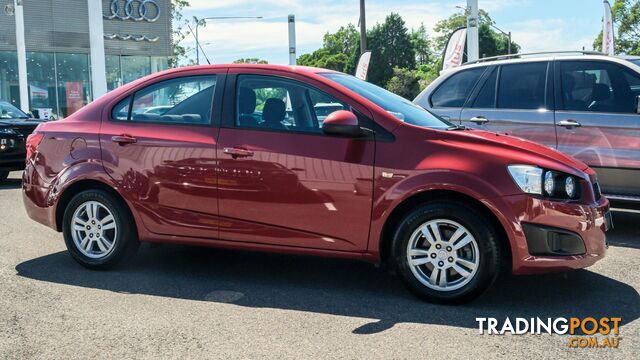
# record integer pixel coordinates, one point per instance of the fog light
(549, 183)
(570, 186)
(3, 146)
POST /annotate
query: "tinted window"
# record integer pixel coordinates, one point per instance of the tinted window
(8, 111)
(454, 91)
(281, 104)
(401, 108)
(486, 98)
(523, 86)
(598, 87)
(178, 101)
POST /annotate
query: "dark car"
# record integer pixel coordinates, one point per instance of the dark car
(15, 126)
(381, 180)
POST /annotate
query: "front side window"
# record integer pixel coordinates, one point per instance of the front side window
(486, 98)
(176, 101)
(274, 103)
(455, 90)
(523, 86)
(599, 87)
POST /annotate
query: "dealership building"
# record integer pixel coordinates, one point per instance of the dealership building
(75, 50)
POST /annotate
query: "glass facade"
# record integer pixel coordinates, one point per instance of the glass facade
(61, 82)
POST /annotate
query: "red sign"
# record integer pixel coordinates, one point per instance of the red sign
(74, 96)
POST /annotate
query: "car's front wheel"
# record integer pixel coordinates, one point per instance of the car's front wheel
(3, 176)
(98, 230)
(447, 252)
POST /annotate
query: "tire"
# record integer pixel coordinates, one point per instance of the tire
(479, 257)
(109, 241)
(3, 176)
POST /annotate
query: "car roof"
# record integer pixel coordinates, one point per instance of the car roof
(292, 68)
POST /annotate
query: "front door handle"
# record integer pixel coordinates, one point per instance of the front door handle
(238, 152)
(569, 124)
(124, 139)
(479, 120)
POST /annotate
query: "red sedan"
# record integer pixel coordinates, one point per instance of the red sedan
(238, 156)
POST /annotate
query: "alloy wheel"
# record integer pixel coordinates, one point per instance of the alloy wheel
(94, 230)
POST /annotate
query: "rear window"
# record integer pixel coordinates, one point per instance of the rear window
(455, 90)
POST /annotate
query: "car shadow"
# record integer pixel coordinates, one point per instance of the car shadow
(10, 184)
(625, 232)
(337, 287)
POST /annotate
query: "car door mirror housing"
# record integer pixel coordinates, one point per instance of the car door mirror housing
(342, 123)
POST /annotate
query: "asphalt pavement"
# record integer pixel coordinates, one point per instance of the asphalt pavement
(185, 302)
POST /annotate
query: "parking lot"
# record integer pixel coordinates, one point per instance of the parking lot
(172, 301)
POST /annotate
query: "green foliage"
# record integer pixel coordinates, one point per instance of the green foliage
(404, 82)
(391, 47)
(422, 45)
(179, 32)
(337, 51)
(250, 61)
(322, 58)
(626, 22)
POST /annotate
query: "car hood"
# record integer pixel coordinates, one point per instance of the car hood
(528, 149)
(20, 122)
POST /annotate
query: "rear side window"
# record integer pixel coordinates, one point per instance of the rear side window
(185, 100)
(523, 86)
(455, 90)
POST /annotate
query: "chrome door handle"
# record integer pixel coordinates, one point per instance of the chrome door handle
(237, 152)
(479, 120)
(569, 124)
(124, 139)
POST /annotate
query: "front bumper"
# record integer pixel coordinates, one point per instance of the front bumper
(12, 152)
(573, 221)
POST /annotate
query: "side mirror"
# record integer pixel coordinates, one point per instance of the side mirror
(638, 104)
(342, 123)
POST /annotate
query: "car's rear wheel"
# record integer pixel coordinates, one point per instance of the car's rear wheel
(98, 230)
(3, 176)
(447, 252)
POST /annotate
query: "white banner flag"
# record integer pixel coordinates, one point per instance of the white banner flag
(454, 52)
(363, 65)
(607, 31)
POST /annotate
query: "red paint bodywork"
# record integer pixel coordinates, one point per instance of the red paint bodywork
(297, 193)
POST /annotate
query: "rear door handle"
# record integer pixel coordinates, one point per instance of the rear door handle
(238, 152)
(479, 120)
(124, 139)
(569, 124)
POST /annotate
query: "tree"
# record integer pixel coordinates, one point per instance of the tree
(390, 45)
(250, 61)
(337, 50)
(626, 21)
(404, 83)
(422, 45)
(179, 32)
(491, 42)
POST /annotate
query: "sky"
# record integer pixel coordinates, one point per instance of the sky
(537, 25)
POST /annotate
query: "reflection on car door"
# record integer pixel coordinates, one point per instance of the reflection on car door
(597, 121)
(165, 162)
(515, 99)
(287, 183)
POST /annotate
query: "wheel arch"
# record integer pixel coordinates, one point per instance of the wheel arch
(397, 214)
(79, 186)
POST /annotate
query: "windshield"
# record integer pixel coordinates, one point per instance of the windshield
(401, 108)
(8, 111)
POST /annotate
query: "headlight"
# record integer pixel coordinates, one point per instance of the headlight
(7, 131)
(533, 180)
(527, 177)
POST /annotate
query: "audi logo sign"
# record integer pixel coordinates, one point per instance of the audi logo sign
(136, 10)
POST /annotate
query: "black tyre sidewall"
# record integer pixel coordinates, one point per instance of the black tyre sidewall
(127, 238)
(482, 230)
(3, 176)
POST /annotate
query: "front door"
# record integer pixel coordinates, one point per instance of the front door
(515, 99)
(159, 146)
(282, 181)
(597, 121)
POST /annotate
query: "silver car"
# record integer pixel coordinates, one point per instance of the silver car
(583, 103)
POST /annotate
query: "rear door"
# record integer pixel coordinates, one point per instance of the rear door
(158, 144)
(449, 97)
(515, 99)
(598, 123)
